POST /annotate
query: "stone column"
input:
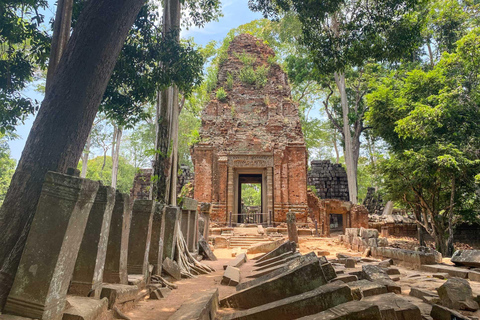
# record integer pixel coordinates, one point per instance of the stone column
(88, 274)
(46, 267)
(189, 227)
(270, 194)
(172, 215)
(117, 248)
(231, 192)
(156, 243)
(292, 227)
(140, 235)
(205, 211)
(192, 232)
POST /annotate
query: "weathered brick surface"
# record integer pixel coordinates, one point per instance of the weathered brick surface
(255, 129)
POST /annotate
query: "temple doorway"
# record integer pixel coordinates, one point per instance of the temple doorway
(250, 197)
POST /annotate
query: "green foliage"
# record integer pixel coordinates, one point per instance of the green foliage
(251, 194)
(258, 77)
(100, 169)
(7, 165)
(245, 58)
(149, 62)
(247, 75)
(221, 94)
(24, 49)
(430, 121)
(229, 82)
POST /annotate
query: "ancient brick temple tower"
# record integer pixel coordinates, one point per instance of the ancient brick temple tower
(251, 136)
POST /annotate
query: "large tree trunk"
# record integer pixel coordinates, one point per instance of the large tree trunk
(166, 144)
(61, 33)
(450, 247)
(117, 139)
(349, 150)
(86, 153)
(64, 120)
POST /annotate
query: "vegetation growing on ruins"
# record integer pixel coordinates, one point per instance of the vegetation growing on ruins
(221, 94)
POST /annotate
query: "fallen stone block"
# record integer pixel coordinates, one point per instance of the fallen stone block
(273, 249)
(474, 276)
(309, 257)
(390, 285)
(323, 253)
(349, 263)
(392, 303)
(239, 260)
(368, 233)
(443, 313)
(204, 249)
(220, 242)
(425, 295)
(311, 302)
(259, 273)
(346, 278)
(305, 277)
(456, 293)
(118, 294)
(231, 276)
(328, 271)
(385, 263)
(83, 308)
(353, 310)
(365, 288)
(392, 271)
(372, 273)
(469, 258)
(266, 247)
(201, 306)
(451, 270)
(274, 259)
(279, 262)
(408, 258)
(441, 275)
(171, 268)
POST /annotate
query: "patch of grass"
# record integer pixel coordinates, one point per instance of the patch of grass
(229, 81)
(221, 94)
(247, 59)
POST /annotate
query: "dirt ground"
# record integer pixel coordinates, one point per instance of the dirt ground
(162, 309)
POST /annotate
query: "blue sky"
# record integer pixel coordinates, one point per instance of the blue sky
(235, 13)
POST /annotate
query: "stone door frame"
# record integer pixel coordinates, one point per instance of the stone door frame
(250, 164)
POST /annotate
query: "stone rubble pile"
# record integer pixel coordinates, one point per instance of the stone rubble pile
(105, 252)
(329, 179)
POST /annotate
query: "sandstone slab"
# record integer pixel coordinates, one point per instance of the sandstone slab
(402, 309)
(311, 302)
(171, 268)
(304, 278)
(48, 260)
(118, 294)
(353, 310)
(469, 258)
(202, 306)
(231, 276)
(270, 248)
(83, 308)
(365, 288)
(443, 313)
(456, 293)
(204, 249)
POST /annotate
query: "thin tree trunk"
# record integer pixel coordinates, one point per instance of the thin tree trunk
(335, 146)
(166, 143)
(61, 128)
(61, 34)
(86, 153)
(116, 155)
(349, 155)
(450, 248)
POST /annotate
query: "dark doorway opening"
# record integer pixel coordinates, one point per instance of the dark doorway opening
(336, 223)
(250, 199)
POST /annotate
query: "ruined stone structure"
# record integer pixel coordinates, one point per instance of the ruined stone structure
(329, 179)
(141, 185)
(251, 135)
(374, 202)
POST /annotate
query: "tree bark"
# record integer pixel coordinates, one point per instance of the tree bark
(86, 153)
(64, 120)
(335, 146)
(449, 246)
(61, 34)
(166, 144)
(117, 136)
(349, 150)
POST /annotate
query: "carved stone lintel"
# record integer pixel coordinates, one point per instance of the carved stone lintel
(249, 161)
